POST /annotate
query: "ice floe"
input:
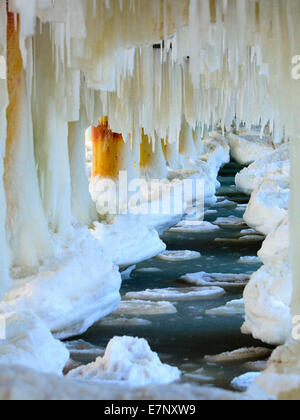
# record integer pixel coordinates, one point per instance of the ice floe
(140, 308)
(230, 222)
(216, 279)
(129, 361)
(176, 295)
(124, 322)
(194, 227)
(235, 307)
(246, 354)
(179, 255)
(246, 148)
(243, 382)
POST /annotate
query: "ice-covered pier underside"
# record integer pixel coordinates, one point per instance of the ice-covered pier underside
(163, 72)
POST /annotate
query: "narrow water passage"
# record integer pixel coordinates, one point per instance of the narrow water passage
(184, 338)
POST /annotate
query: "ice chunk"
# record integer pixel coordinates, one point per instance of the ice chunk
(130, 361)
(231, 222)
(235, 307)
(179, 255)
(249, 260)
(216, 279)
(148, 270)
(242, 383)
(80, 348)
(240, 355)
(172, 294)
(191, 227)
(140, 307)
(124, 322)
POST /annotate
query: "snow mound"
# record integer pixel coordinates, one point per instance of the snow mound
(140, 307)
(240, 355)
(179, 255)
(235, 307)
(243, 382)
(173, 294)
(130, 361)
(216, 279)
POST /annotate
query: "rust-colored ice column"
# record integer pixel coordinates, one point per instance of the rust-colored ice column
(108, 151)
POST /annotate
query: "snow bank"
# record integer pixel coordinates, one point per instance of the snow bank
(176, 295)
(190, 226)
(129, 361)
(245, 150)
(274, 163)
(90, 291)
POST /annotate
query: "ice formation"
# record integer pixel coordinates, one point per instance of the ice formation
(235, 307)
(128, 361)
(176, 295)
(140, 66)
(241, 355)
(216, 279)
(243, 382)
(140, 307)
(179, 255)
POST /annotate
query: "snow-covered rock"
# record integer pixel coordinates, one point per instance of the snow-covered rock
(129, 361)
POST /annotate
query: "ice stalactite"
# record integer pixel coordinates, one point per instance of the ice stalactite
(50, 109)
(4, 274)
(152, 163)
(27, 229)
